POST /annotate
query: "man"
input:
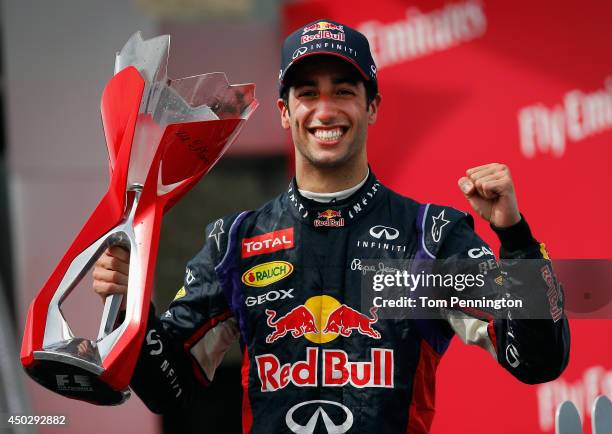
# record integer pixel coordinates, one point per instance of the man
(286, 279)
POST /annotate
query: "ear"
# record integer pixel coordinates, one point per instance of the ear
(284, 113)
(373, 109)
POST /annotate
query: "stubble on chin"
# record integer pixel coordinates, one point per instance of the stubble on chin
(328, 162)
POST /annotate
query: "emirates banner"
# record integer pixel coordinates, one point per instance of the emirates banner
(524, 83)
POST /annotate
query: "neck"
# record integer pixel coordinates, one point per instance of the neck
(329, 179)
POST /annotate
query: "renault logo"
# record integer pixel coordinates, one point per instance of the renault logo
(319, 412)
(389, 233)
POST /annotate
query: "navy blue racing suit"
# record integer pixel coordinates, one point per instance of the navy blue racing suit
(286, 281)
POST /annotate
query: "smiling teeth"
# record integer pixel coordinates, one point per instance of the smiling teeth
(328, 135)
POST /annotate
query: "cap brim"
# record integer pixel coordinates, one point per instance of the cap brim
(319, 53)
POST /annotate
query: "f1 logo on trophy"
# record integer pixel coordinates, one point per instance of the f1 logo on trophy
(162, 136)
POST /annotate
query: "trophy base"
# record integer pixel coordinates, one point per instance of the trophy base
(74, 378)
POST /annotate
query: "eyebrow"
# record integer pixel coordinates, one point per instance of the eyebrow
(336, 80)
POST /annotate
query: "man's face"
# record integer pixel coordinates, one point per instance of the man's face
(328, 113)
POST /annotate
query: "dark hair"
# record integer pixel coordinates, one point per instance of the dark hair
(369, 88)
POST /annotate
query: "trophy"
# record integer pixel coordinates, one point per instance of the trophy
(162, 136)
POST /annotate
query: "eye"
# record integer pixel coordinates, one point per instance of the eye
(306, 93)
(346, 91)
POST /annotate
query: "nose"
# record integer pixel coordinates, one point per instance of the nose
(326, 109)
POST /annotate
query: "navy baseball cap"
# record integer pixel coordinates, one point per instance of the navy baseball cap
(331, 38)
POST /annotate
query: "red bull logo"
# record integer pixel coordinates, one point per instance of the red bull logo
(299, 321)
(321, 26)
(338, 370)
(321, 319)
(323, 34)
(346, 319)
(329, 218)
(329, 214)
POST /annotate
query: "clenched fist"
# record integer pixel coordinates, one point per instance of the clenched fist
(490, 191)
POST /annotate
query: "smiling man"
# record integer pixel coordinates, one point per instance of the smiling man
(286, 279)
(328, 110)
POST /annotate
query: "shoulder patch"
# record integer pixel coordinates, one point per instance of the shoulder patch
(216, 232)
(437, 226)
(230, 239)
(217, 237)
(434, 223)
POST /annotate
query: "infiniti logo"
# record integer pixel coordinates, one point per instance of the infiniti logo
(512, 356)
(310, 426)
(378, 231)
(299, 52)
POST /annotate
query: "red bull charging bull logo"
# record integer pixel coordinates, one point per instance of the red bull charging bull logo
(329, 218)
(321, 26)
(299, 321)
(345, 320)
(321, 319)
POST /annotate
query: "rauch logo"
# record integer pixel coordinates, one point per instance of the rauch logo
(267, 273)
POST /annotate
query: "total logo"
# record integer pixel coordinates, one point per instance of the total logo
(319, 409)
(267, 273)
(329, 218)
(268, 243)
(321, 319)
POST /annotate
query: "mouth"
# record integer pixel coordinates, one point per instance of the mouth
(328, 135)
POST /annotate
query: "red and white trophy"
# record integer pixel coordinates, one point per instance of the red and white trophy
(162, 136)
